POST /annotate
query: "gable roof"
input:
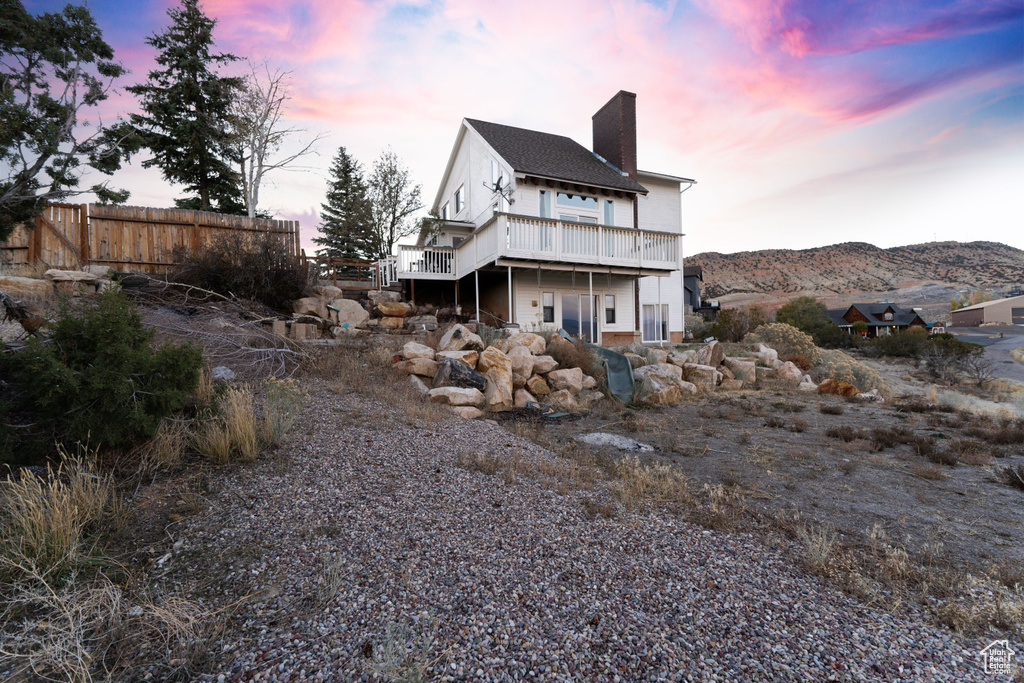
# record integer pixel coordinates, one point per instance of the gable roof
(986, 304)
(874, 314)
(694, 271)
(552, 156)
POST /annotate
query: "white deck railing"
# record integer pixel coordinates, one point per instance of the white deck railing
(541, 239)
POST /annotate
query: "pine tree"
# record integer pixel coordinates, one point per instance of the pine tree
(186, 106)
(345, 219)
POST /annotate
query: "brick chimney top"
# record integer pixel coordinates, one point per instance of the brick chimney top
(615, 132)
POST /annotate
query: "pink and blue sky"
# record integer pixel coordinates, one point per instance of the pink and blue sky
(805, 123)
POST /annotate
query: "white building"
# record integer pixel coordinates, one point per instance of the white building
(541, 232)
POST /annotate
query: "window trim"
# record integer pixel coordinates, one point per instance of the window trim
(609, 308)
(460, 199)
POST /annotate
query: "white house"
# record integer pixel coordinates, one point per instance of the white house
(541, 232)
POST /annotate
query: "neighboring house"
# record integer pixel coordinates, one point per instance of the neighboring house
(882, 318)
(1009, 311)
(542, 233)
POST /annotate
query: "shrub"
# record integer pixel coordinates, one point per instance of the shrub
(802, 362)
(831, 409)
(577, 355)
(909, 343)
(700, 328)
(785, 339)
(259, 268)
(845, 433)
(834, 364)
(733, 324)
(97, 380)
(947, 358)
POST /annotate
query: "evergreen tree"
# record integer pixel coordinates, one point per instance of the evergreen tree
(346, 219)
(186, 107)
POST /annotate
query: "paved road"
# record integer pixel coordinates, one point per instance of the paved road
(997, 347)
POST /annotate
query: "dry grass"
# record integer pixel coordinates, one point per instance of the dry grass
(284, 400)
(819, 548)
(831, 409)
(774, 422)
(233, 434)
(930, 472)
(165, 450)
(484, 463)
(1014, 476)
(93, 632)
(638, 484)
(799, 426)
(635, 422)
(47, 519)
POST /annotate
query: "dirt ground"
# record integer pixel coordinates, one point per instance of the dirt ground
(773, 448)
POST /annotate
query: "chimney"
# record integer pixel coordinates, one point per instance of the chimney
(615, 132)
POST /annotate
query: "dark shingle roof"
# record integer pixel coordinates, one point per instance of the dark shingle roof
(694, 271)
(552, 156)
(873, 312)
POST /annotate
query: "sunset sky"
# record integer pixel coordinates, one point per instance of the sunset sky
(805, 123)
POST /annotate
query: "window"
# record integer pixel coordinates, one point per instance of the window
(654, 322)
(545, 204)
(609, 212)
(549, 307)
(888, 315)
(577, 201)
(460, 199)
(609, 309)
(444, 212)
(497, 175)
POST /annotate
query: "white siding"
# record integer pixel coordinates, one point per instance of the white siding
(660, 209)
(671, 294)
(526, 293)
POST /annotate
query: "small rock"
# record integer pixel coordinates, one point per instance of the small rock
(222, 373)
(623, 443)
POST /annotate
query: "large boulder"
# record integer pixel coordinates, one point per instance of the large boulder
(657, 356)
(789, 372)
(456, 396)
(497, 368)
(24, 287)
(837, 388)
(491, 357)
(570, 379)
(418, 384)
(424, 367)
(467, 358)
(523, 397)
(309, 305)
(57, 275)
(459, 338)
(711, 354)
(564, 400)
(393, 309)
(544, 364)
(635, 359)
(349, 311)
(102, 272)
(807, 384)
(704, 377)
(534, 342)
(376, 297)
(522, 365)
(452, 373)
(327, 292)
(589, 382)
(538, 386)
(742, 369)
(392, 323)
(731, 385)
(416, 350)
(421, 323)
(589, 398)
(672, 373)
(653, 389)
(765, 355)
(681, 358)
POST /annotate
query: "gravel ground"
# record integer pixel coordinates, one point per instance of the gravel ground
(364, 532)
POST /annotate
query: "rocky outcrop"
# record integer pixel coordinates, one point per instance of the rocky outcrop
(459, 338)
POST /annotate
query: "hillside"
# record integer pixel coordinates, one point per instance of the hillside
(919, 273)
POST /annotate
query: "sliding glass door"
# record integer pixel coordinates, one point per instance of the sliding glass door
(579, 316)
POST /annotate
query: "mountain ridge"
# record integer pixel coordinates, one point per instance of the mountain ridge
(860, 267)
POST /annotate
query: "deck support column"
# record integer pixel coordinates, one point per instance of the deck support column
(593, 311)
(510, 316)
(476, 280)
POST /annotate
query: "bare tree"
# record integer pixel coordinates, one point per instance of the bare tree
(260, 131)
(393, 199)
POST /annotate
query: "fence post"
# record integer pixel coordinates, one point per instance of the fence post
(83, 234)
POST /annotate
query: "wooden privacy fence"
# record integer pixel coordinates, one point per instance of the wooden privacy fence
(347, 273)
(130, 237)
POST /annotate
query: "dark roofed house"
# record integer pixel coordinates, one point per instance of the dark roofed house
(881, 318)
(693, 276)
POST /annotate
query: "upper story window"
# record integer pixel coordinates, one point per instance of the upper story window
(577, 201)
(545, 204)
(497, 175)
(609, 212)
(444, 211)
(460, 199)
(888, 315)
